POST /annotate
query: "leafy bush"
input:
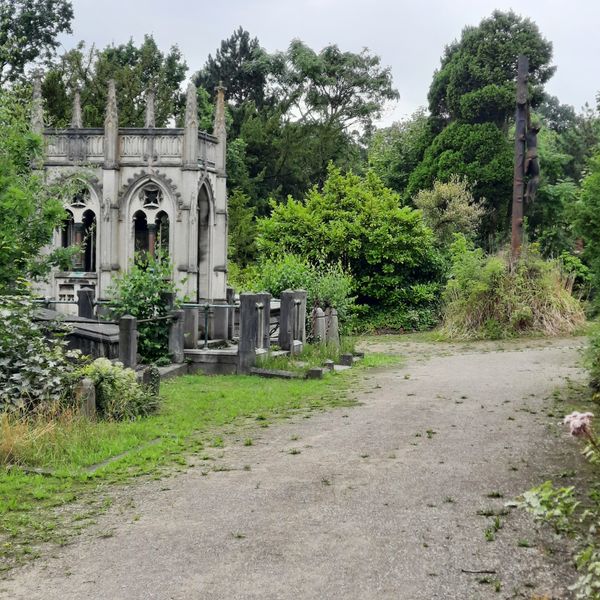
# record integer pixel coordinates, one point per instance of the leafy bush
(486, 297)
(450, 208)
(326, 285)
(35, 370)
(359, 223)
(118, 394)
(140, 293)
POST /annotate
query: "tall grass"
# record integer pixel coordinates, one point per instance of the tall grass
(488, 297)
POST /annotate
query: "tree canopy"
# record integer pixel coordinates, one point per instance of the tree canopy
(29, 31)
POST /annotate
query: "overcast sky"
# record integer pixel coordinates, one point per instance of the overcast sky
(408, 35)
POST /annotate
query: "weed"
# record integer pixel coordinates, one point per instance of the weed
(248, 442)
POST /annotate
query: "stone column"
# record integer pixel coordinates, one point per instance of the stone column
(264, 336)
(332, 327)
(152, 239)
(78, 258)
(318, 325)
(248, 331)
(111, 129)
(230, 300)
(176, 340)
(128, 339)
(190, 131)
(85, 397)
(292, 321)
(190, 327)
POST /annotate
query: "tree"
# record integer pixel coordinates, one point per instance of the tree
(135, 70)
(241, 65)
(395, 151)
(28, 31)
(332, 88)
(242, 229)
(481, 153)
(30, 209)
(359, 223)
(450, 208)
(476, 80)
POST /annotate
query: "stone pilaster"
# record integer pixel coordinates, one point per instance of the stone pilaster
(111, 129)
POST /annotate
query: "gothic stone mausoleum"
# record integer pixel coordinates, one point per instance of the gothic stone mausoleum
(140, 189)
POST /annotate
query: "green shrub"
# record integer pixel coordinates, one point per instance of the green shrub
(118, 394)
(359, 223)
(486, 297)
(35, 369)
(327, 285)
(140, 293)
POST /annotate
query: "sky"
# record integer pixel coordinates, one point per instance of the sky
(409, 36)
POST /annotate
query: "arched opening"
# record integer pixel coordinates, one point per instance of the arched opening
(162, 233)
(203, 243)
(66, 233)
(89, 241)
(140, 232)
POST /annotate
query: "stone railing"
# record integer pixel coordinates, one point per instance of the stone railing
(137, 147)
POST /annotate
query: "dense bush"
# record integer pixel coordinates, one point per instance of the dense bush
(450, 208)
(487, 297)
(118, 394)
(140, 293)
(359, 223)
(35, 370)
(326, 285)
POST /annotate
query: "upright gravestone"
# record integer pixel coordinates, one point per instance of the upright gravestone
(292, 320)
(318, 325)
(332, 327)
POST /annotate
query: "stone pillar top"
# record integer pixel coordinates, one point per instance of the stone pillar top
(37, 109)
(150, 118)
(76, 117)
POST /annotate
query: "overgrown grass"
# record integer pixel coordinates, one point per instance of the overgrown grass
(488, 297)
(82, 458)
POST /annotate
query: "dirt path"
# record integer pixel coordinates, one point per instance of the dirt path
(375, 501)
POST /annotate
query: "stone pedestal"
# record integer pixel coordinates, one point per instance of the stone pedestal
(248, 331)
(190, 328)
(128, 341)
(176, 338)
(292, 324)
(85, 397)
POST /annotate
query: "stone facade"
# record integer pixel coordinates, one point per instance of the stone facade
(138, 189)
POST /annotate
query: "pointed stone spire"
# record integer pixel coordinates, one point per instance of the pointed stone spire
(150, 118)
(111, 129)
(76, 118)
(190, 132)
(219, 128)
(37, 107)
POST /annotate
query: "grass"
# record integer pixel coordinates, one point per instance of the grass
(81, 459)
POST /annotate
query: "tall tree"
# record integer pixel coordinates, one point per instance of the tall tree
(331, 87)
(241, 65)
(476, 80)
(135, 70)
(28, 31)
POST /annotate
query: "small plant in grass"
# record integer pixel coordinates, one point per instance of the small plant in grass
(248, 442)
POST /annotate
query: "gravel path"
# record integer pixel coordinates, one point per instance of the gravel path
(376, 501)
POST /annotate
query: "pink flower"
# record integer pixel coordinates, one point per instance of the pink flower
(580, 424)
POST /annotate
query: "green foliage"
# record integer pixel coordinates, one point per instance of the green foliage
(395, 151)
(587, 218)
(326, 284)
(487, 297)
(35, 369)
(592, 360)
(140, 292)
(241, 65)
(358, 222)
(29, 30)
(134, 69)
(30, 210)
(552, 505)
(242, 229)
(476, 80)
(481, 154)
(450, 208)
(118, 394)
(333, 87)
